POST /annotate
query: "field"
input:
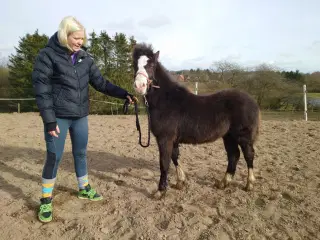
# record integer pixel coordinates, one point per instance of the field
(283, 205)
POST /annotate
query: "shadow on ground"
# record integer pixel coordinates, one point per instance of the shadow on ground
(99, 163)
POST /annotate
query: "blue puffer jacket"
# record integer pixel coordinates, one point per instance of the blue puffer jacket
(62, 87)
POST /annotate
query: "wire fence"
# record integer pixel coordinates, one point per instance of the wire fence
(11, 101)
(21, 105)
(104, 105)
(10, 105)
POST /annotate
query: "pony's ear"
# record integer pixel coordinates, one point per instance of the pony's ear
(156, 56)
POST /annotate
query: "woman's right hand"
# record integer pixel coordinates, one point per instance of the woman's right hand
(54, 132)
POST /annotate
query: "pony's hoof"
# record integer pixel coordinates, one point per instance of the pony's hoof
(225, 181)
(159, 194)
(180, 185)
(222, 185)
(249, 187)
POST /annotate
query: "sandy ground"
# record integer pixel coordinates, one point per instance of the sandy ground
(285, 203)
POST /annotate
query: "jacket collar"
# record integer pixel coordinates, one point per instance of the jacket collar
(56, 46)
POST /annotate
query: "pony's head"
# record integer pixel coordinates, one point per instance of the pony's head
(144, 65)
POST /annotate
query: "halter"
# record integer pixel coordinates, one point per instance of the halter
(149, 81)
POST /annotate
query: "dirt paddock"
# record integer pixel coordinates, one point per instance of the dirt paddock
(285, 202)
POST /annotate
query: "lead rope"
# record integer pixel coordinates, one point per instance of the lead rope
(138, 124)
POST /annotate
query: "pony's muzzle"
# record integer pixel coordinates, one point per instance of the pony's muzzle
(140, 86)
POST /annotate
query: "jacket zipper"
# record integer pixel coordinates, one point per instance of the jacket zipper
(79, 90)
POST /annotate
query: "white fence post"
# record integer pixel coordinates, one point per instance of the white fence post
(305, 102)
(196, 88)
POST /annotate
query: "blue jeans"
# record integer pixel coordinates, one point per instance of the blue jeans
(78, 129)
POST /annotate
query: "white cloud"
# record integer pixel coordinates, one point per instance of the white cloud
(188, 34)
(155, 21)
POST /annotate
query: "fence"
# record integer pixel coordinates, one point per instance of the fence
(10, 101)
(9, 105)
(100, 104)
(300, 105)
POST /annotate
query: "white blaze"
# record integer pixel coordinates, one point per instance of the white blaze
(142, 62)
(141, 80)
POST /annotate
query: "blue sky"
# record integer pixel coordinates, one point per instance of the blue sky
(188, 34)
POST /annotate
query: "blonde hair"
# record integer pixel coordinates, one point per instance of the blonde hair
(67, 26)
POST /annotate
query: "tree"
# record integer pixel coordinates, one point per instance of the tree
(229, 72)
(95, 48)
(4, 79)
(4, 84)
(113, 57)
(122, 55)
(21, 65)
(264, 83)
(294, 76)
(313, 82)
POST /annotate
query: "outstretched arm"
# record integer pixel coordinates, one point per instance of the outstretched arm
(105, 86)
(41, 80)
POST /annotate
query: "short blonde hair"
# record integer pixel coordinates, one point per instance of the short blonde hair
(67, 26)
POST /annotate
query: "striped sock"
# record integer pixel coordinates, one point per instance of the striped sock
(83, 181)
(47, 187)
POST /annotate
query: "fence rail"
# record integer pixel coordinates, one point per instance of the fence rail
(116, 109)
(113, 110)
(16, 99)
(289, 115)
(302, 106)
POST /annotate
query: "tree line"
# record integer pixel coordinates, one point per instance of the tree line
(272, 88)
(112, 54)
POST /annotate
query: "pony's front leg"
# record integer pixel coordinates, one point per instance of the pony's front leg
(165, 150)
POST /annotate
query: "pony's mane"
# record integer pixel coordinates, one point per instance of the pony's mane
(147, 50)
(142, 49)
(170, 78)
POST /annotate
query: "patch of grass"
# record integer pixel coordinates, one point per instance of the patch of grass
(310, 95)
(289, 115)
(313, 95)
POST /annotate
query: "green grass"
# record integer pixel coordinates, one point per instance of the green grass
(310, 95)
(289, 115)
(313, 95)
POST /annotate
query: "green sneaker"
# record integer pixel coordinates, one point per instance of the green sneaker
(89, 193)
(45, 211)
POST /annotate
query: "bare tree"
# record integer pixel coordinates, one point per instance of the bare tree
(229, 72)
(4, 75)
(264, 82)
(313, 82)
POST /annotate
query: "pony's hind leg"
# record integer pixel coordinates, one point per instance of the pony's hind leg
(233, 155)
(248, 153)
(181, 178)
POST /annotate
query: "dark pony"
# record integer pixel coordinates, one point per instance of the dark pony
(179, 116)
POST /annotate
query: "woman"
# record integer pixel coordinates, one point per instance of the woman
(61, 77)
